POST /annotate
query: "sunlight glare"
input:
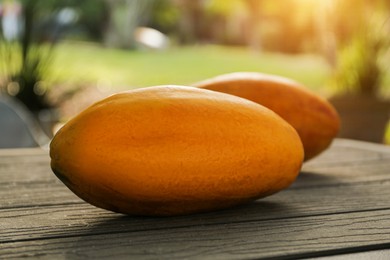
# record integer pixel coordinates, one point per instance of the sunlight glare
(307, 4)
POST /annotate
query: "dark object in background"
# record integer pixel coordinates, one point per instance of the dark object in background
(363, 117)
(18, 127)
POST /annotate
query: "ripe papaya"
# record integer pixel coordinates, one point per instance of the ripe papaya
(313, 117)
(172, 150)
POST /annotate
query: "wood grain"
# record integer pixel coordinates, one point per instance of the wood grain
(339, 203)
(288, 238)
(73, 218)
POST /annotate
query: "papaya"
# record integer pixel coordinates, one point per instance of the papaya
(174, 150)
(313, 117)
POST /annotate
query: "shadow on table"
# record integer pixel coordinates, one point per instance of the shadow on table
(316, 179)
(18, 127)
(121, 236)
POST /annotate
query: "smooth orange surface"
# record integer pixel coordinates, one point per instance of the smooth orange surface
(172, 150)
(314, 118)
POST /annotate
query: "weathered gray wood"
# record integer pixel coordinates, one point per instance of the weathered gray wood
(30, 175)
(381, 254)
(339, 203)
(48, 190)
(291, 237)
(65, 218)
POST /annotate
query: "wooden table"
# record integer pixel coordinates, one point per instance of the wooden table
(339, 204)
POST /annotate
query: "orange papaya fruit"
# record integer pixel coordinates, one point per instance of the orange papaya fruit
(313, 117)
(173, 150)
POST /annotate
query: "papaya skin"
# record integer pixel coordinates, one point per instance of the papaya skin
(172, 150)
(312, 116)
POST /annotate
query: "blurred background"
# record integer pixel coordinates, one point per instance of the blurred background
(59, 56)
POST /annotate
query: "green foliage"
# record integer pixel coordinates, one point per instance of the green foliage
(358, 70)
(93, 15)
(226, 8)
(79, 64)
(164, 16)
(361, 64)
(25, 60)
(31, 76)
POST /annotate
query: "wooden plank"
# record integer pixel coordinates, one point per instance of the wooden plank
(71, 219)
(343, 174)
(12, 152)
(349, 151)
(347, 185)
(24, 168)
(27, 180)
(337, 189)
(279, 238)
(341, 142)
(30, 188)
(43, 188)
(36, 195)
(383, 254)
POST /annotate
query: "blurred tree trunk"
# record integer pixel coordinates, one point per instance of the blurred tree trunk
(190, 23)
(124, 17)
(326, 38)
(255, 19)
(336, 30)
